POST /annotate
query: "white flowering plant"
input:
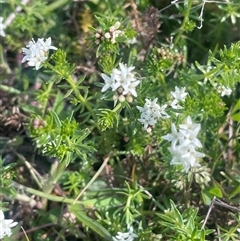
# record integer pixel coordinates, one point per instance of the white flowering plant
(119, 120)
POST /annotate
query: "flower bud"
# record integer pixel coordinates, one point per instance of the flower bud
(107, 35)
(97, 35)
(129, 98)
(117, 25)
(112, 29)
(121, 98)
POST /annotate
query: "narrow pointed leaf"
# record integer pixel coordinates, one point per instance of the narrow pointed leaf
(89, 222)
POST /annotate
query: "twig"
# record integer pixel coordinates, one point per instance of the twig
(36, 176)
(93, 178)
(201, 15)
(35, 229)
(220, 203)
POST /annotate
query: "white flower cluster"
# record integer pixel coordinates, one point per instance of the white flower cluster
(123, 80)
(37, 52)
(184, 143)
(179, 95)
(5, 225)
(150, 113)
(114, 32)
(128, 236)
(110, 35)
(2, 27)
(224, 90)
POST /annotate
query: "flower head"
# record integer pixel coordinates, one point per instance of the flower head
(128, 236)
(2, 27)
(184, 143)
(179, 95)
(224, 90)
(114, 32)
(5, 225)
(37, 52)
(123, 80)
(150, 113)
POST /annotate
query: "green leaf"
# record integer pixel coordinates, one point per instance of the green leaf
(236, 107)
(177, 214)
(89, 222)
(169, 220)
(9, 192)
(235, 192)
(209, 193)
(186, 2)
(80, 80)
(56, 119)
(69, 92)
(216, 191)
(236, 117)
(58, 104)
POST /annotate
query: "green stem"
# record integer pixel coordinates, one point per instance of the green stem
(78, 94)
(71, 82)
(47, 93)
(185, 20)
(116, 108)
(188, 189)
(45, 195)
(55, 5)
(10, 89)
(93, 179)
(55, 174)
(3, 63)
(93, 202)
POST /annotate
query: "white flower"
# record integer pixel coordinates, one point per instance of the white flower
(190, 131)
(114, 32)
(150, 113)
(186, 156)
(125, 73)
(132, 41)
(130, 87)
(129, 236)
(37, 52)
(5, 225)
(2, 27)
(122, 79)
(45, 46)
(184, 143)
(109, 82)
(224, 90)
(173, 137)
(179, 95)
(117, 33)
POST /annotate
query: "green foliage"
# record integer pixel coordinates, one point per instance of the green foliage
(236, 112)
(57, 138)
(6, 175)
(91, 223)
(183, 226)
(61, 65)
(108, 119)
(107, 62)
(162, 60)
(59, 127)
(208, 104)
